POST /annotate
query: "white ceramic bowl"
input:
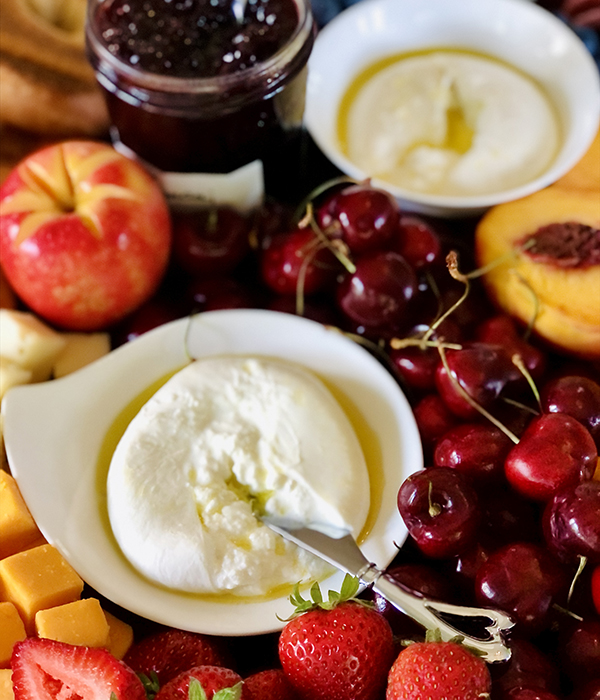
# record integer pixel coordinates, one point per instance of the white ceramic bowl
(59, 438)
(519, 33)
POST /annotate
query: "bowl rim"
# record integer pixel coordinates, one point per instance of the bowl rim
(66, 496)
(322, 98)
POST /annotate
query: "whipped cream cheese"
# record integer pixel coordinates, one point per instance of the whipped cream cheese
(219, 435)
(449, 123)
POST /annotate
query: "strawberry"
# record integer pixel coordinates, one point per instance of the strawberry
(337, 649)
(271, 684)
(170, 652)
(438, 671)
(43, 669)
(204, 683)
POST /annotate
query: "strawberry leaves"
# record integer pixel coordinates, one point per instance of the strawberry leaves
(348, 591)
(197, 692)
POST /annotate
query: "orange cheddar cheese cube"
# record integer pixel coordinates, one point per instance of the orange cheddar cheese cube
(81, 622)
(12, 630)
(18, 530)
(120, 636)
(37, 579)
(6, 688)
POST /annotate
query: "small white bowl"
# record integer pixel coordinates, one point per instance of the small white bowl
(520, 33)
(60, 435)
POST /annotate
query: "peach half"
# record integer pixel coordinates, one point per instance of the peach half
(544, 257)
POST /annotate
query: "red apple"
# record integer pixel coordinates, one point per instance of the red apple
(85, 234)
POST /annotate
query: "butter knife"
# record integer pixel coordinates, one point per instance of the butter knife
(483, 629)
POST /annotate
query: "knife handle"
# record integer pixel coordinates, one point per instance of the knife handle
(451, 620)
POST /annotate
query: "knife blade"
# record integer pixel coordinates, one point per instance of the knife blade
(340, 549)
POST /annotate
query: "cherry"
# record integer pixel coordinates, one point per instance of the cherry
(554, 452)
(571, 522)
(523, 580)
(211, 240)
(152, 314)
(529, 693)
(418, 242)
(213, 293)
(417, 365)
(579, 650)
(433, 420)
(507, 517)
(441, 511)
(416, 577)
(502, 330)
(469, 562)
(591, 691)
(477, 450)
(380, 292)
(577, 396)
(296, 257)
(482, 370)
(528, 667)
(366, 217)
(595, 586)
(315, 309)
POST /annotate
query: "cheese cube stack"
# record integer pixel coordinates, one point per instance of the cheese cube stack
(31, 351)
(40, 593)
(29, 343)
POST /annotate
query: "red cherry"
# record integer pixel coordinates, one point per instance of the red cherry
(477, 450)
(211, 241)
(595, 583)
(367, 217)
(380, 292)
(555, 451)
(524, 580)
(528, 667)
(529, 693)
(571, 522)
(441, 511)
(579, 650)
(215, 293)
(150, 315)
(418, 242)
(577, 396)
(433, 420)
(590, 691)
(502, 330)
(294, 257)
(416, 577)
(482, 370)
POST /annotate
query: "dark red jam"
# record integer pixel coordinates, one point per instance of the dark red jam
(191, 90)
(195, 38)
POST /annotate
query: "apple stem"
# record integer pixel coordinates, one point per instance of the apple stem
(471, 401)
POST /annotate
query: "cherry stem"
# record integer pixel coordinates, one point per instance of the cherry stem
(452, 264)
(399, 343)
(471, 401)
(480, 271)
(522, 406)
(319, 190)
(309, 220)
(517, 360)
(580, 568)
(536, 304)
(434, 508)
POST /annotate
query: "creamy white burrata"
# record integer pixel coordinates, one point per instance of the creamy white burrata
(220, 434)
(450, 123)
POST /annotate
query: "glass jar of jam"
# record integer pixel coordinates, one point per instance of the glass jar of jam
(210, 103)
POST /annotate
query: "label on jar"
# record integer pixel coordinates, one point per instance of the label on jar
(243, 188)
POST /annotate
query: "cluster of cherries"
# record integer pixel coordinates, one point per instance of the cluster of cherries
(506, 513)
